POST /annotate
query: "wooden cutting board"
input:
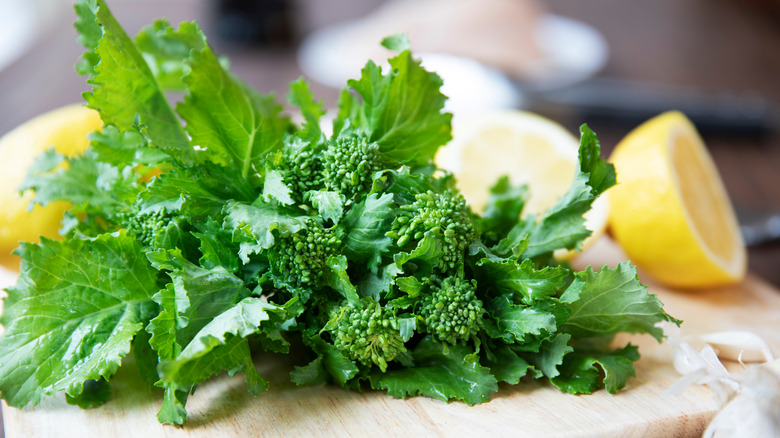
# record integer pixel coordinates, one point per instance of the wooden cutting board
(223, 407)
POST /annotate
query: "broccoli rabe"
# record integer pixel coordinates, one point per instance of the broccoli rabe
(300, 170)
(349, 164)
(298, 260)
(446, 216)
(368, 334)
(276, 237)
(152, 228)
(451, 311)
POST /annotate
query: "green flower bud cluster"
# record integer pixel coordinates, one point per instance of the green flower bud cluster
(349, 164)
(446, 215)
(302, 174)
(147, 226)
(368, 334)
(299, 259)
(452, 312)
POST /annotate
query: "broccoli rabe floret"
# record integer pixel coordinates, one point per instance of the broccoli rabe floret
(451, 311)
(301, 171)
(446, 216)
(298, 260)
(349, 164)
(151, 228)
(368, 334)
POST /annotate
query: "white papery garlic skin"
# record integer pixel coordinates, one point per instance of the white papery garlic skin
(750, 401)
(740, 346)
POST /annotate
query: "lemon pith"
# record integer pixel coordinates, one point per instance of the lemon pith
(670, 211)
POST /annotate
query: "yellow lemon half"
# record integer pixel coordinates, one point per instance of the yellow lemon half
(65, 129)
(670, 211)
(529, 149)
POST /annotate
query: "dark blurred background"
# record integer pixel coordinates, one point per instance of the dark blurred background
(717, 60)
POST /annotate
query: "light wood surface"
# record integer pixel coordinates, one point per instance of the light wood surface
(223, 407)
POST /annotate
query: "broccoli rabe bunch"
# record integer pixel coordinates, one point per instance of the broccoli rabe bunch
(216, 227)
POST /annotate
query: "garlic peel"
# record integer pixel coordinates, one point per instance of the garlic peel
(741, 346)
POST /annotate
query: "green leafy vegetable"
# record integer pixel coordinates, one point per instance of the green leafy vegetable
(202, 235)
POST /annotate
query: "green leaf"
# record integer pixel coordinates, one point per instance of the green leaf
(235, 125)
(423, 257)
(377, 285)
(334, 362)
(256, 223)
(522, 322)
(122, 148)
(411, 286)
(172, 410)
(313, 373)
(195, 191)
(585, 373)
(72, 315)
(400, 111)
(164, 327)
(612, 301)
(94, 393)
(503, 209)
(397, 43)
(219, 344)
(89, 34)
(216, 246)
(199, 294)
(562, 226)
(99, 187)
(232, 354)
(552, 355)
(601, 174)
(527, 283)
(440, 372)
(145, 358)
(407, 325)
(166, 50)
(366, 225)
(336, 276)
(329, 204)
(225, 329)
(124, 89)
(275, 188)
(507, 366)
(301, 96)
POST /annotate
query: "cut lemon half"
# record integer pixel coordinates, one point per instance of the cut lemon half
(670, 211)
(65, 129)
(529, 149)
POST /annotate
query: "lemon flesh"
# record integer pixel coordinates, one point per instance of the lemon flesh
(529, 149)
(670, 211)
(65, 129)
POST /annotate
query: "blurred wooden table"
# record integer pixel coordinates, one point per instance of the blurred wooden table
(710, 44)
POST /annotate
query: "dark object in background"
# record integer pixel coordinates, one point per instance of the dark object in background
(255, 22)
(631, 102)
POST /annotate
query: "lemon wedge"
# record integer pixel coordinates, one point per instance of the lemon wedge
(670, 211)
(65, 129)
(526, 147)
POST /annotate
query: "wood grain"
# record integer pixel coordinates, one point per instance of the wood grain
(223, 407)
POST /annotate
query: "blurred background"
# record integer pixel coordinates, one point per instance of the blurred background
(610, 63)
